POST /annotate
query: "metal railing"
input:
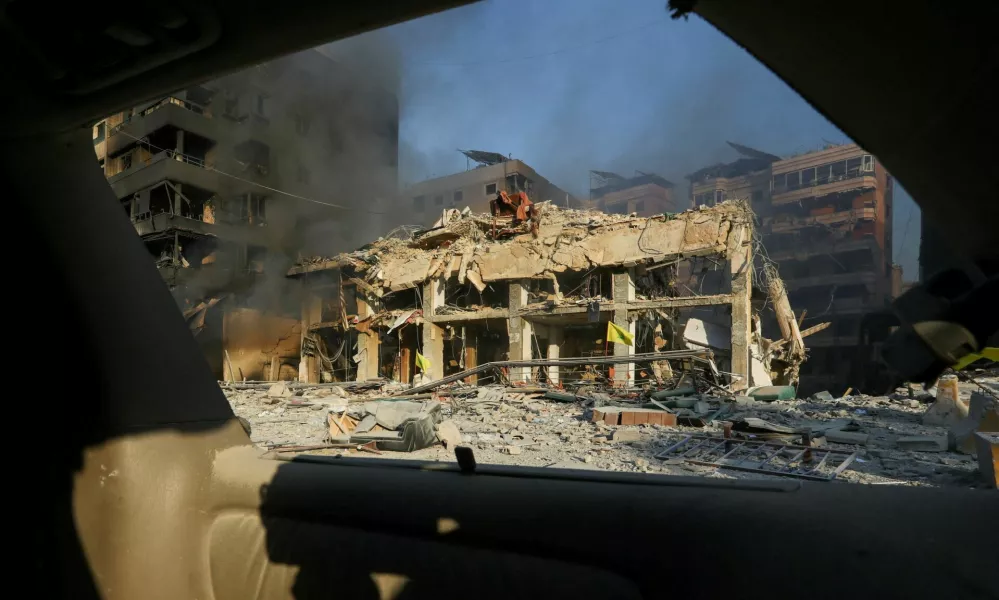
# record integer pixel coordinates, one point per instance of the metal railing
(187, 104)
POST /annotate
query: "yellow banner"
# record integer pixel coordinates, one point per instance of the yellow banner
(989, 353)
(619, 335)
(422, 362)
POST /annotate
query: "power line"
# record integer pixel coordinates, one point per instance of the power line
(238, 178)
(544, 54)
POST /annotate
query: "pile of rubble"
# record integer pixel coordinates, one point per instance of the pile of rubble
(907, 438)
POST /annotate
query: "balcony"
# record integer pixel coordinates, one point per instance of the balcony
(867, 278)
(803, 250)
(175, 112)
(160, 167)
(165, 222)
(822, 187)
(835, 218)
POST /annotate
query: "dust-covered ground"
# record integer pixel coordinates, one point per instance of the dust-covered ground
(523, 429)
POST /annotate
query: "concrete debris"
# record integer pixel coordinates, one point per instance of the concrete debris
(923, 443)
(988, 457)
(449, 434)
(519, 425)
(983, 416)
(279, 390)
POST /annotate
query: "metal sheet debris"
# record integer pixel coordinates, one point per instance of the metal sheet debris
(771, 458)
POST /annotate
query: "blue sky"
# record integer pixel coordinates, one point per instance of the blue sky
(574, 85)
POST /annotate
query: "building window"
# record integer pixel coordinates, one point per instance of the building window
(418, 203)
(719, 196)
(439, 200)
(303, 174)
(458, 196)
(779, 183)
(490, 189)
(640, 206)
(99, 132)
(868, 163)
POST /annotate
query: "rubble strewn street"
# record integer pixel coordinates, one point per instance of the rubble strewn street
(518, 426)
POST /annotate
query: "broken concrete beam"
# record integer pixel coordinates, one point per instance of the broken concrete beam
(838, 436)
(923, 443)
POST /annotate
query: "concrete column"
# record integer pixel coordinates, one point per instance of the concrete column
(624, 291)
(433, 349)
(519, 331)
(471, 351)
(433, 297)
(367, 344)
(741, 269)
(312, 313)
(555, 339)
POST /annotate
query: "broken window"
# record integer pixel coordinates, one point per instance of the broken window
(793, 180)
(439, 200)
(853, 166)
(418, 203)
(490, 189)
(779, 182)
(458, 195)
(838, 170)
(808, 177)
(868, 163)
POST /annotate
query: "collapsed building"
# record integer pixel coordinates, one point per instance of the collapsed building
(826, 223)
(481, 288)
(644, 194)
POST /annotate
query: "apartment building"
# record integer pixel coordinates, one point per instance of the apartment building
(826, 222)
(747, 178)
(487, 174)
(644, 194)
(829, 228)
(228, 182)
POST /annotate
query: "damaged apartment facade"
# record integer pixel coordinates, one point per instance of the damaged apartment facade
(644, 194)
(487, 175)
(482, 288)
(214, 179)
(826, 224)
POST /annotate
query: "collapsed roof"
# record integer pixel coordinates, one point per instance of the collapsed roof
(481, 248)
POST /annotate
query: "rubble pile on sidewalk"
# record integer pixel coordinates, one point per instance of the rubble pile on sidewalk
(896, 439)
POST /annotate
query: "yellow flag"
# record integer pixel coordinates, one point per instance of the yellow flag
(423, 362)
(989, 353)
(619, 335)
